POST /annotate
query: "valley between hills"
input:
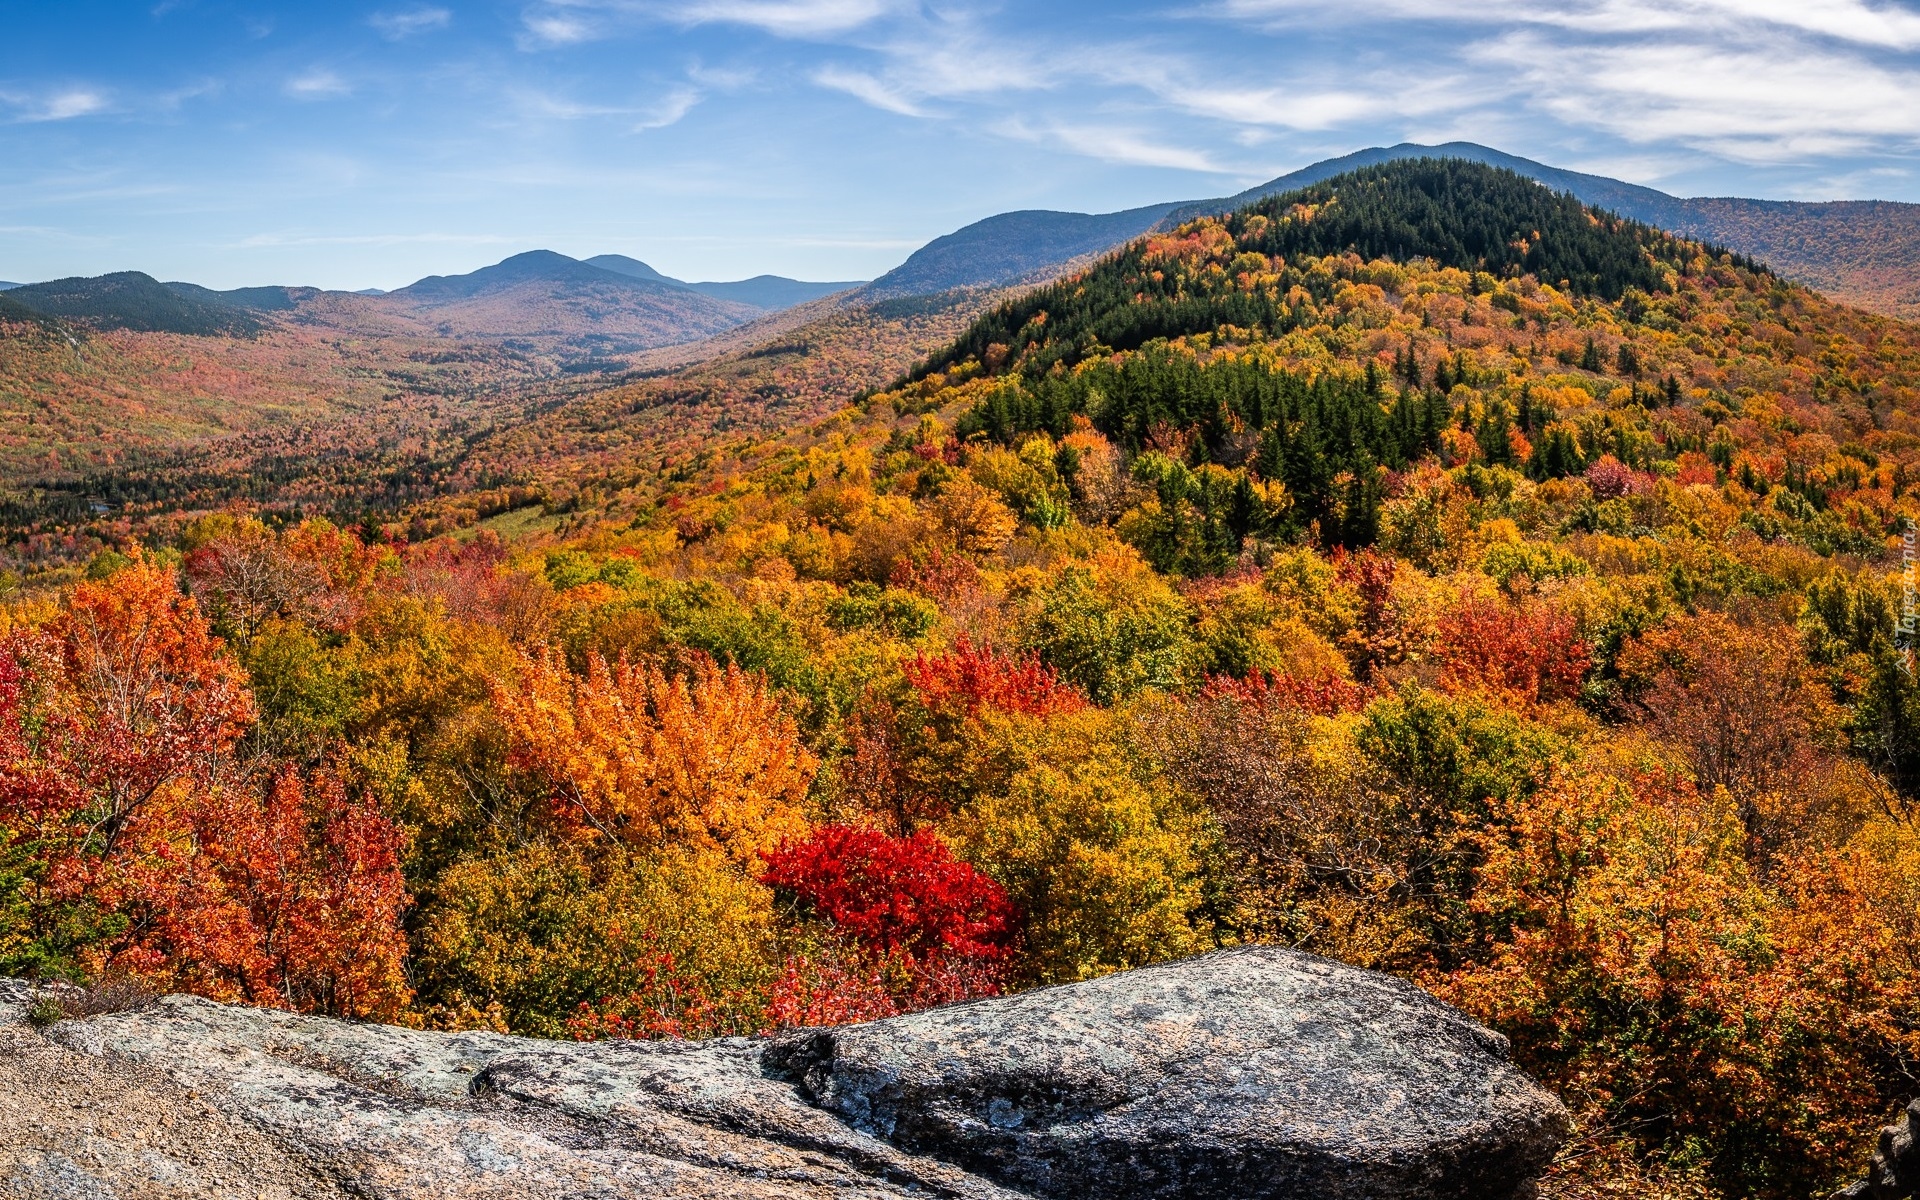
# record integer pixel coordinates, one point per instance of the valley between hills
(1428, 561)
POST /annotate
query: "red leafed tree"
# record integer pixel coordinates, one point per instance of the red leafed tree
(896, 894)
(1325, 695)
(36, 796)
(968, 678)
(248, 575)
(668, 1004)
(1377, 638)
(1612, 479)
(292, 898)
(117, 722)
(941, 574)
(918, 927)
(1531, 654)
(142, 696)
(830, 988)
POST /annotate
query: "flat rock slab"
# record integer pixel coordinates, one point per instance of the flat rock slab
(1248, 1073)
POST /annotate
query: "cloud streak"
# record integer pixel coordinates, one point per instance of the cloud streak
(1880, 25)
(60, 104)
(1127, 147)
(789, 18)
(1753, 81)
(400, 25)
(671, 108)
(865, 87)
(566, 22)
(317, 84)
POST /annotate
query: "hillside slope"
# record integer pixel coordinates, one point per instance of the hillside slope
(76, 401)
(1447, 590)
(1862, 252)
(1005, 250)
(133, 301)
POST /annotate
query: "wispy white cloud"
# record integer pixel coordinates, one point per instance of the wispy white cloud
(170, 100)
(722, 79)
(789, 18)
(405, 23)
(79, 102)
(559, 108)
(555, 27)
(669, 110)
(1753, 81)
(317, 84)
(564, 22)
(1885, 25)
(60, 104)
(1128, 147)
(1755, 103)
(866, 87)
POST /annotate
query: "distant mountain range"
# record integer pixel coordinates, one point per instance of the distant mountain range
(769, 293)
(1011, 247)
(138, 302)
(610, 305)
(1865, 252)
(541, 294)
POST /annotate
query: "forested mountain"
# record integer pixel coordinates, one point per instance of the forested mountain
(1864, 252)
(768, 292)
(346, 386)
(587, 312)
(260, 299)
(1417, 568)
(622, 265)
(133, 301)
(545, 295)
(15, 312)
(773, 292)
(1011, 247)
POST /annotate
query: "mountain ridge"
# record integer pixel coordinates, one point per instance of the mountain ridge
(587, 310)
(769, 292)
(1877, 264)
(133, 301)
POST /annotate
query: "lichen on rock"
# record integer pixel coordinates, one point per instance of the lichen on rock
(1247, 1073)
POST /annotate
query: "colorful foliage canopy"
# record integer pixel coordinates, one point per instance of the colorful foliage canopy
(1322, 574)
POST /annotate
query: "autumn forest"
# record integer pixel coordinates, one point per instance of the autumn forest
(1420, 569)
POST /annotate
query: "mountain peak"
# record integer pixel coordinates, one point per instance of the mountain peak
(134, 300)
(533, 266)
(620, 264)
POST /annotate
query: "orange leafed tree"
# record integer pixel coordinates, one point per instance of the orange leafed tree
(969, 678)
(146, 695)
(292, 898)
(1743, 705)
(707, 760)
(1530, 655)
(1652, 977)
(194, 877)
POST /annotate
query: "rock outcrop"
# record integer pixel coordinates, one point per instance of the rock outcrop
(1895, 1171)
(1248, 1073)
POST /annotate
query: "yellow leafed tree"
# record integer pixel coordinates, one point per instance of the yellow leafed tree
(708, 761)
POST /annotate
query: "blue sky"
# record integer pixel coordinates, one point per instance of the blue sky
(360, 145)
